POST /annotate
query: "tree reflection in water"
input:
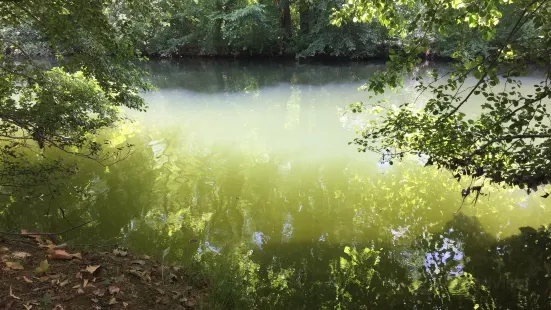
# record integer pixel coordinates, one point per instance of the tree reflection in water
(299, 225)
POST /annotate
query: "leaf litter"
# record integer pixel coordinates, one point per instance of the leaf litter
(20, 255)
(14, 266)
(92, 269)
(114, 289)
(47, 284)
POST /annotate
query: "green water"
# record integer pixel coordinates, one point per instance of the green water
(244, 171)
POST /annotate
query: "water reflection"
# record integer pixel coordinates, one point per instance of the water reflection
(259, 189)
(241, 75)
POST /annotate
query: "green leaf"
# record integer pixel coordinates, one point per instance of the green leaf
(347, 250)
(43, 267)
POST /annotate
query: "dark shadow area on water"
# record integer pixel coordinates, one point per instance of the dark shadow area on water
(223, 75)
(460, 267)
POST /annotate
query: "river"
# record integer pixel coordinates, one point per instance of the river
(243, 169)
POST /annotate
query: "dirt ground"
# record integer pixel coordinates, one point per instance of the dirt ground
(37, 274)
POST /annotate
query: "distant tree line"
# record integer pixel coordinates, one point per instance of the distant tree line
(272, 28)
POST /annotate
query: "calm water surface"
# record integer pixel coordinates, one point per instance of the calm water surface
(243, 170)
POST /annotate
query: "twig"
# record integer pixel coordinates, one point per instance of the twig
(465, 196)
(44, 234)
(8, 239)
(60, 208)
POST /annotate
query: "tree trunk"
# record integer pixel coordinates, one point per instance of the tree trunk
(305, 20)
(286, 17)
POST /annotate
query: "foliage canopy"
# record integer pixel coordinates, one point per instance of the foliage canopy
(65, 106)
(508, 142)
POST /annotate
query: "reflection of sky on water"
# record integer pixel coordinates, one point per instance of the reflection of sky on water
(383, 166)
(524, 204)
(399, 232)
(260, 238)
(287, 229)
(435, 261)
(207, 247)
(158, 147)
(285, 168)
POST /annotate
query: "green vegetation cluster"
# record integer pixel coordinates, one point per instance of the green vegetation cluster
(507, 141)
(243, 28)
(45, 107)
(273, 28)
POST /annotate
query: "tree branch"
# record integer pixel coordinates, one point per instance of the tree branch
(494, 61)
(516, 137)
(44, 234)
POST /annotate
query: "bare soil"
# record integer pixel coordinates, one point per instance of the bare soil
(37, 274)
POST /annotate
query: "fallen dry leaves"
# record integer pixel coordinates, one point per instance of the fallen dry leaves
(92, 269)
(34, 235)
(55, 287)
(114, 289)
(61, 246)
(120, 252)
(99, 292)
(142, 275)
(63, 255)
(12, 295)
(60, 254)
(14, 265)
(47, 244)
(20, 255)
(138, 262)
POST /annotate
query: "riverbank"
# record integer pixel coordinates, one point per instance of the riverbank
(38, 274)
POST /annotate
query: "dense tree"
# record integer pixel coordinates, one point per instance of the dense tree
(44, 108)
(350, 40)
(242, 28)
(257, 28)
(508, 141)
(214, 27)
